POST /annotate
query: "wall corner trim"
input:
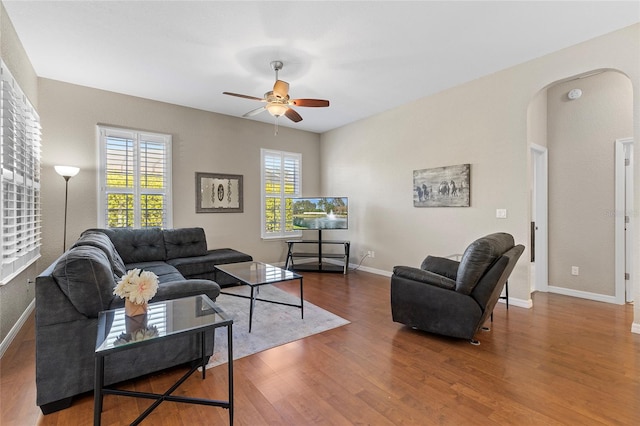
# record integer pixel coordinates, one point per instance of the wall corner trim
(16, 327)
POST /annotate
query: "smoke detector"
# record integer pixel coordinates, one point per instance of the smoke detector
(574, 94)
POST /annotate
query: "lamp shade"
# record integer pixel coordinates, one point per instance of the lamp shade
(281, 89)
(67, 171)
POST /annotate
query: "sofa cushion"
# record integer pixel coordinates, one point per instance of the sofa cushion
(137, 245)
(478, 257)
(163, 271)
(85, 276)
(186, 288)
(199, 265)
(104, 243)
(178, 289)
(185, 242)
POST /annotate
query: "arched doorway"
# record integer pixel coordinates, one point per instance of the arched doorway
(580, 132)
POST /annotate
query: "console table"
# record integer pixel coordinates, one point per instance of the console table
(318, 266)
(190, 315)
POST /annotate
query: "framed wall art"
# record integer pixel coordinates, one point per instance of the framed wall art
(448, 186)
(218, 193)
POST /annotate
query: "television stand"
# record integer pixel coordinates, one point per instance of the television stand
(320, 265)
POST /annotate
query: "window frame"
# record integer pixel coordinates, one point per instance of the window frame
(20, 190)
(136, 190)
(283, 196)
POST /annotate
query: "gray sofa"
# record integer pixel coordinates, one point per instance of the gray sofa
(75, 288)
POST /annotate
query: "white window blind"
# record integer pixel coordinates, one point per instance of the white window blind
(281, 181)
(135, 179)
(20, 164)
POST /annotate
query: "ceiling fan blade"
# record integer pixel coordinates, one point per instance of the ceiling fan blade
(309, 102)
(292, 115)
(253, 98)
(255, 112)
(281, 89)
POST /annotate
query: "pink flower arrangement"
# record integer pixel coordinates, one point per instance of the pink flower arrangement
(137, 286)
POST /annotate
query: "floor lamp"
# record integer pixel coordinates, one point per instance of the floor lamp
(67, 172)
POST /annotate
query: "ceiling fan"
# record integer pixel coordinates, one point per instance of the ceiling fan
(278, 102)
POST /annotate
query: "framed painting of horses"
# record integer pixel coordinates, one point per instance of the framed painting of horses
(448, 186)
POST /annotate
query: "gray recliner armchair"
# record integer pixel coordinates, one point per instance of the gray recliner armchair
(454, 298)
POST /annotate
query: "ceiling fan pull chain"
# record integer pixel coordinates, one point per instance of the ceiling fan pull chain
(276, 122)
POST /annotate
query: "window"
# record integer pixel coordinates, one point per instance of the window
(135, 179)
(20, 179)
(281, 181)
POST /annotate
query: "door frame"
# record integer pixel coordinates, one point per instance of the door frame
(623, 210)
(540, 205)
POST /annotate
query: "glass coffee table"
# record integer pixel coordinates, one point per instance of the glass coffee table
(164, 320)
(256, 274)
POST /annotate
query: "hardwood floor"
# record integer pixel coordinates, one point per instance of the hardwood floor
(566, 361)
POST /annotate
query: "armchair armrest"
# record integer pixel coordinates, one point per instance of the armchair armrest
(427, 277)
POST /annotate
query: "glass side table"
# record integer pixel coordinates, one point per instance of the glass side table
(164, 320)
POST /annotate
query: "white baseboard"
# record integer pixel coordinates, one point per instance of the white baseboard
(520, 303)
(582, 294)
(352, 266)
(369, 269)
(16, 328)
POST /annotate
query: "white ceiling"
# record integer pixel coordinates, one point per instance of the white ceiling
(364, 56)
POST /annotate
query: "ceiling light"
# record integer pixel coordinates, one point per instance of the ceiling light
(277, 109)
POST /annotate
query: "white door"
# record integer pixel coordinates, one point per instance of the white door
(539, 202)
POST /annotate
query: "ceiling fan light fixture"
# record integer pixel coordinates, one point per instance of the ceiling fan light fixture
(278, 100)
(281, 89)
(277, 109)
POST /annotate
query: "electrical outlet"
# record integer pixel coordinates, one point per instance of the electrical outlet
(371, 254)
(501, 213)
(575, 270)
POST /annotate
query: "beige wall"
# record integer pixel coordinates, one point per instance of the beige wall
(16, 295)
(483, 122)
(581, 137)
(14, 56)
(202, 142)
(537, 119)
(372, 162)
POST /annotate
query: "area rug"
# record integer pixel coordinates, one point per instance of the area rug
(273, 325)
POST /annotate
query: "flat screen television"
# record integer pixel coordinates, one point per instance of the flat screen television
(318, 213)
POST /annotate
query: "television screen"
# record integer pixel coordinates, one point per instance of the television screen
(321, 213)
